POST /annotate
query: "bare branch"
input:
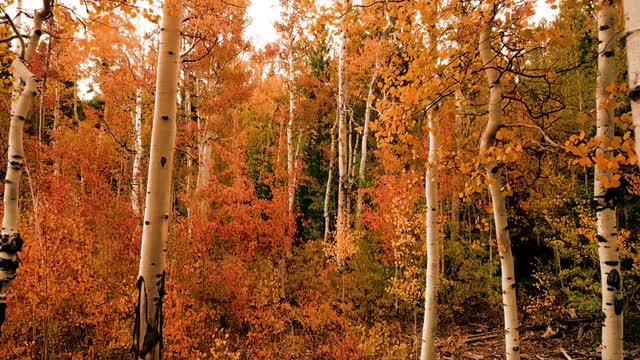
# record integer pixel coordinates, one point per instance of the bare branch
(536, 127)
(16, 31)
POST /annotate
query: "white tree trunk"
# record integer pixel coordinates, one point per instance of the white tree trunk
(350, 146)
(632, 34)
(290, 150)
(455, 215)
(354, 155)
(188, 117)
(136, 183)
(327, 194)
(10, 240)
(365, 136)
(76, 118)
(342, 221)
(204, 151)
(612, 301)
(148, 330)
(511, 325)
(56, 108)
(204, 157)
(433, 244)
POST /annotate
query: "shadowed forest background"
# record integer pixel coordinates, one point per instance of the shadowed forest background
(254, 267)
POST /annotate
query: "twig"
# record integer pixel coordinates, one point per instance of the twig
(481, 338)
(16, 31)
(536, 127)
(566, 355)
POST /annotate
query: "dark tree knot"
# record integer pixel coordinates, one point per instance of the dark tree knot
(613, 279)
(11, 244)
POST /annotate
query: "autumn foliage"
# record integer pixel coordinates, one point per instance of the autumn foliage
(246, 278)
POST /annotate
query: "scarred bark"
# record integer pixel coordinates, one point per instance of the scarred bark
(147, 335)
(611, 280)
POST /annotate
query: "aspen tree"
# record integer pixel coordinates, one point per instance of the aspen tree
(136, 176)
(290, 151)
(327, 194)
(10, 240)
(188, 115)
(511, 326)
(147, 336)
(365, 136)
(632, 36)
(342, 217)
(136, 184)
(612, 301)
(432, 212)
(433, 243)
(204, 149)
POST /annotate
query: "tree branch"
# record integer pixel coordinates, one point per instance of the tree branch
(536, 127)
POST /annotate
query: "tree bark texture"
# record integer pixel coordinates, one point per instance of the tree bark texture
(290, 149)
(136, 183)
(433, 244)
(611, 280)
(147, 337)
(343, 147)
(511, 325)
(364, 145)
(327, 194)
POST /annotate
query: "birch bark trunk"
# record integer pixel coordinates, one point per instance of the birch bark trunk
(290, 149)
(433, 243)
(611, 279)
(10, 240)
(147, 336)
(136, 183)
(204, 156)
(188, 117)
(511, 325)
(204, 151)
(76, 118)
(327, 194)
(364, 147)
(342, 221)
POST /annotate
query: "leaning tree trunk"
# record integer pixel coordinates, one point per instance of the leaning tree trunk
(511, 326)
(341, 221)
(10, 240)
(612, 301)
(433, 244)
(136, 184)
(632, 35)
(147, 336)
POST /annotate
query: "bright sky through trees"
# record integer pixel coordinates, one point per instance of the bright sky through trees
(263, 14)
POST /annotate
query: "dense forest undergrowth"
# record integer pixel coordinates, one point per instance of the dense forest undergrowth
(450, 179)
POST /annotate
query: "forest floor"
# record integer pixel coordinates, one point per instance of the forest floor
(569, 339)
